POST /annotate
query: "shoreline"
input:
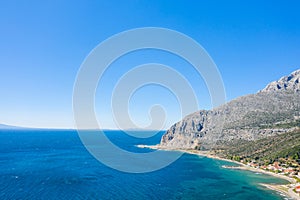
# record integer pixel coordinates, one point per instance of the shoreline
(283, 189)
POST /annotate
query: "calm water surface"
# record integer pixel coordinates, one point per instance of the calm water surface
(53, 164)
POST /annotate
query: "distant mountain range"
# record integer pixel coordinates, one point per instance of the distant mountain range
(4, 126)
(273, 111)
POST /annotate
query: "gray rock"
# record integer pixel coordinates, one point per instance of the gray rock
(290, 82)
(249, 117)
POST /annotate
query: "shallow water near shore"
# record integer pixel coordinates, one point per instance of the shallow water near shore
(53, 164)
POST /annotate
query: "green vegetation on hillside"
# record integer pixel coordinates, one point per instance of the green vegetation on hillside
(267, 150)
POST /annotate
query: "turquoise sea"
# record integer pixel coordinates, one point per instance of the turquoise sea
(53, 164)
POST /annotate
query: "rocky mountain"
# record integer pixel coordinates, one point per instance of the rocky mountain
(290, 82)
(272, 111)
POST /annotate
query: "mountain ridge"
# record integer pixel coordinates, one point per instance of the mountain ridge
(290, 82)
(5, 126)
(250, 117)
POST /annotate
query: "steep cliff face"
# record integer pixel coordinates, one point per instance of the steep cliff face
(274, 110)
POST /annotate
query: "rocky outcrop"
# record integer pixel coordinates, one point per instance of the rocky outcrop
(290, 83)
(269, 112)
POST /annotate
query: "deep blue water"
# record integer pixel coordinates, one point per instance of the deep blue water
(53, 164)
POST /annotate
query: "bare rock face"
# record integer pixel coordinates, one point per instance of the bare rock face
(269, 112)
(290, 83)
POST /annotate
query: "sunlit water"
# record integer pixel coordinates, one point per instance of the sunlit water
(43, 164)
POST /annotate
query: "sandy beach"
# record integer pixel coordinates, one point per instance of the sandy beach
(284, 189)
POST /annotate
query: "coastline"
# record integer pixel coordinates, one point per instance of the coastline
(284, 189)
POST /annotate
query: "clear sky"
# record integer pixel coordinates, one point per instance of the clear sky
(43, 44)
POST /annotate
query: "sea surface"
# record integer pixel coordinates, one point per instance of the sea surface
(53, 164)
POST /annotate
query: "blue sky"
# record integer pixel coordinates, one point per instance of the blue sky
(43, 44)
